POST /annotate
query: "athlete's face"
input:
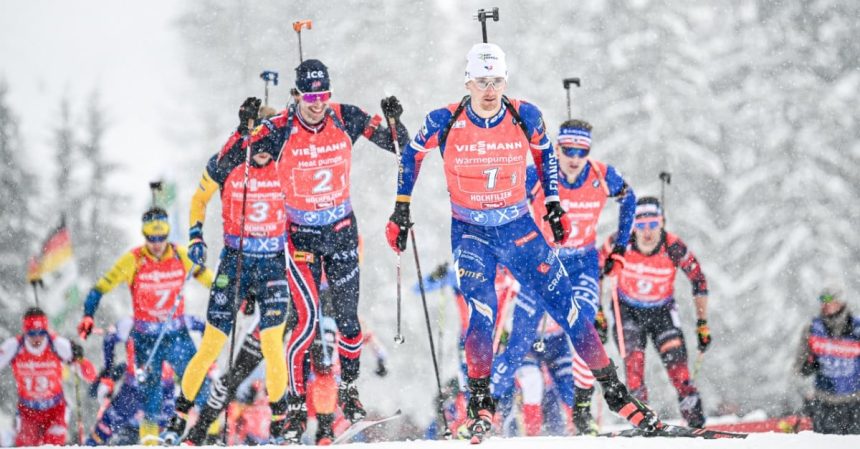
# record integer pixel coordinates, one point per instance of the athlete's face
(36, 339)
(571, 161)
(486, 93)
(312, 106)
(156, 248)
(647, 231)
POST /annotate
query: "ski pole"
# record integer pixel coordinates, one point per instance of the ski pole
(140, 373)
(429, 333)
(700, 357)
(665, 179)
(540, 346)
(398, 337)
(267, 76)
(619, 327)
(238, 289)
(297, 26)
(78, 415)
(567, 82)
(36, 283)
(482, 17)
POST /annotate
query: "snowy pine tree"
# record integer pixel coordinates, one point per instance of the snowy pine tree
(18, 190)
(99, 240)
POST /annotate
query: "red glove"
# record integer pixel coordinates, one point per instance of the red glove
(397, 229)
(85, 327)
(87, 370)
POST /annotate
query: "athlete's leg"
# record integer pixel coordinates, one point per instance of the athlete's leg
(219, 323)
(272, 283)
(534, 264)
(342, 271)
(224, 388)
(150, 388)
(530, 380)
(537, 267)
(475, 263)
(635, 340)
(526, 316)
(665, 330)
(302, 268)
(55, 427)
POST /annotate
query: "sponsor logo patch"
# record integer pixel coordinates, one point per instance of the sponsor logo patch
(221, 281)
(543, 268)
(527, 238)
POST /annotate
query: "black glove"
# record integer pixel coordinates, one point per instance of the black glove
(250, 305)
(810, 366)
(381, 371)
(441, 272)
(391, 108)
(248, 111)
(704, 333)
(397, 229)
(554, 212)
(615, 261)
(77, 351)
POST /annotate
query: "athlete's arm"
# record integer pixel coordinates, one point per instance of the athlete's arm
(123, 271)
(8, 351)
(359, 123)
(63, 348)
(627, 203)
(204, 275)
(686, 261)
(543, 154)
(532, 182)
(426, 140)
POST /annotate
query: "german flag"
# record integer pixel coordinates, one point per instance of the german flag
(56, 251)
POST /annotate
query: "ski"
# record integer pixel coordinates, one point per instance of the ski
(672, 431)
(359, 426)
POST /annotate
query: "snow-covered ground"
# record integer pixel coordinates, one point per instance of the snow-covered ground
(803, 440)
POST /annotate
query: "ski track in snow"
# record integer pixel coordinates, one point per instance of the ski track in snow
(803, 440)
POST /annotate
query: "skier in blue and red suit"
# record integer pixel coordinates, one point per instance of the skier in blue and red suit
(484, 141)
(313, 143)
(584, 187)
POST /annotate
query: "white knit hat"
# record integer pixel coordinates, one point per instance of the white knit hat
(486, 60)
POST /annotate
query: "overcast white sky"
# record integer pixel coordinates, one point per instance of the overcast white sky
(127, 50)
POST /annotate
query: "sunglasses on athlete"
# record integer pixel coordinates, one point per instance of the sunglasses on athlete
(313, 97)
(484, 83)
(653, 223)
(37, 333)
(575, 152)
(827, 298)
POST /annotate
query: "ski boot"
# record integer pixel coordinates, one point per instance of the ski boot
(585, 424)
(691, 410)
(325, 430)
(172, 435)
(296, 419)
(347, 398)
(621, 402)
(480, 410)
(279, 421)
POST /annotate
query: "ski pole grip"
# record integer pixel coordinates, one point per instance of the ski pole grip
(299, 24)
